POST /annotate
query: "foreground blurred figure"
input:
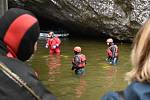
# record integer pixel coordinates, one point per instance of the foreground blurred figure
(19, 31)
(139, 76)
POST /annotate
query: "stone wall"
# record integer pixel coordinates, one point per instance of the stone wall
(3, 6)
(119, 19)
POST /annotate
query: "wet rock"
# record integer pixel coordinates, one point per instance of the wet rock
(119, 19)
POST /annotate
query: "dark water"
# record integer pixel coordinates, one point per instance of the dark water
(56, 74)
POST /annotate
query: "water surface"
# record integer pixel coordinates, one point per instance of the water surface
(56, 74)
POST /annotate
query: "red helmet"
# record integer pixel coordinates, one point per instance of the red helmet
(109, 40)
(77, 49)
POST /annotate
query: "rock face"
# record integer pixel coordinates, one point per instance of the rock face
(119, 19)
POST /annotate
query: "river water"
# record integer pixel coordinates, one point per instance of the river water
(56, 74)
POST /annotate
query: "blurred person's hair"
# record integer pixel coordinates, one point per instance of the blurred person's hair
(140, 56)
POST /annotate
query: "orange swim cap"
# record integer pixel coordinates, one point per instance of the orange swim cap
(77, 49)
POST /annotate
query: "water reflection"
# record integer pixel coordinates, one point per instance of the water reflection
(81, 88)
(54, 63)
(110, 75)
(99, 79)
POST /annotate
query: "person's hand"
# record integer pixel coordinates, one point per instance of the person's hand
(72, 68)
(106, 59)
(46, 46)
(54, 47)
(57, 45)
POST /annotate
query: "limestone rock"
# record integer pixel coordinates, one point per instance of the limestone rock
(119, 19)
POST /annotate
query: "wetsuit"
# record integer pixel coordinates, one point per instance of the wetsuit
(54, 45)
(112, 53)
(79, 62)
(18, 35)
(114, 50)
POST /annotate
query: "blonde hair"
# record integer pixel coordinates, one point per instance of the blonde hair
(140, 56)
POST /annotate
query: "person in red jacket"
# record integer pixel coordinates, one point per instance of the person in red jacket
(53, 43)
(79, 61)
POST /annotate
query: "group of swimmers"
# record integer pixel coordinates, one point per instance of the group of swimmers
(79, 59)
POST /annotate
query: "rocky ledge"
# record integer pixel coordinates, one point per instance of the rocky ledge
(119, 19)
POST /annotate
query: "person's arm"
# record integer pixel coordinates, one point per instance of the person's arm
(76, 61)
(58, 42)
(47, 44)
(109, 54)
(113, 50)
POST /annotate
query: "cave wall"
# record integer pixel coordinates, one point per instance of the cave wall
(119, 19)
